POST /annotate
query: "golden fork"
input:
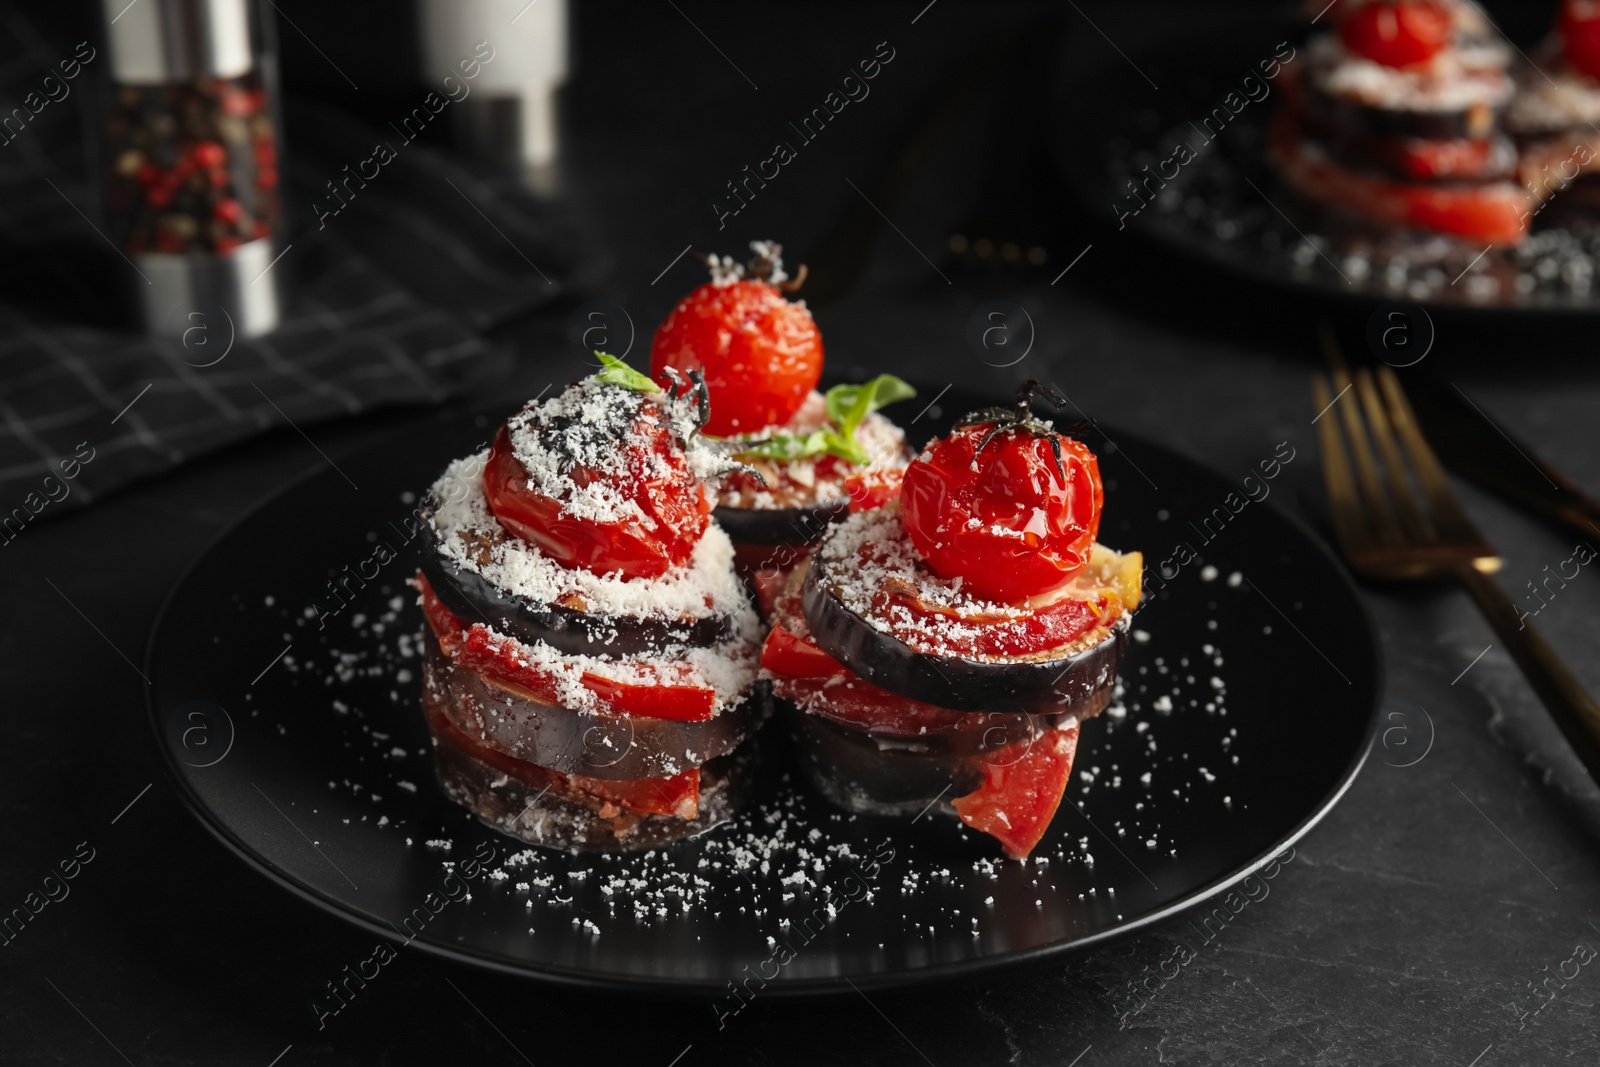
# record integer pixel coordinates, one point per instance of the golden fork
(1397, 518)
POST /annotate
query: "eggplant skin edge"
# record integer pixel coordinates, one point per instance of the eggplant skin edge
(513, 808)
(788, 527)
(1473, 122)
(472, 598)
(1037, 686)
(562, 740)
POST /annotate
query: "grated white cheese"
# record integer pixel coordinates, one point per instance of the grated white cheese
(470, 535)
(1559, 98)
(874, 552)
(604, 431)
(811, 479)
(728, 669)
(1455, 79)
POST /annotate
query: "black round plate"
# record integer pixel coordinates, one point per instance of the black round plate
(289, 718)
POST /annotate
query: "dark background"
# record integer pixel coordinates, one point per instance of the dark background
(1408, 920)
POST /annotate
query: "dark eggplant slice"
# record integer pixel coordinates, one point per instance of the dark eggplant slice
(979, 735)
(611, 747)
(1473, 122)
(1386, 154)
(1058, 684)
(872, 774)
(475, 599)
(781, 526)
(484, 783)
(859, 773)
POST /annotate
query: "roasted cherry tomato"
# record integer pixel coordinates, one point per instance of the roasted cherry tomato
(1006, 519)
(674, 502)
(1580, 35)
(760, 353)
(1020, 793)
(1397, 33)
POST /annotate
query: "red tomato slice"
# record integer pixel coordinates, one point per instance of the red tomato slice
(663, 700)
(1458, 159)
(1019, 796)
(1426, 161)
(853, 701)
(503, 660)
(811, 678)
(874, 487)
(678, 795)
(1491, 212)
(1047, 627)
(671, 497)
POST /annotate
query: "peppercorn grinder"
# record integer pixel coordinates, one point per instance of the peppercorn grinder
(192, 192)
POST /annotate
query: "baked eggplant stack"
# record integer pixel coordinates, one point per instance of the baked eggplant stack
(591, 654)
(941, 650)
(1557, 108)
(807, 458)
(1396, 121)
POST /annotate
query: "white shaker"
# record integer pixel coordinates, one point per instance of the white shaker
(509, 115)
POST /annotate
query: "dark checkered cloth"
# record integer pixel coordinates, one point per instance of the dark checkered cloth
(391, 303)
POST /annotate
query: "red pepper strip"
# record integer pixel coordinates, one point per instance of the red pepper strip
(678, 795)
(809, 677)
(499, 658)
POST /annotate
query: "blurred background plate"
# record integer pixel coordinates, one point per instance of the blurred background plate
(1227, 208)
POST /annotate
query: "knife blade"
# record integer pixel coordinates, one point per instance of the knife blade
(1477, 446)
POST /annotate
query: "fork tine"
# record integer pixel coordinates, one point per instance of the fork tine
(1342, 495)
(1405, 499)
(1449, 516)
(1384, 526)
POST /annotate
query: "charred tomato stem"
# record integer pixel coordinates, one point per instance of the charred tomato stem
(1019, 418)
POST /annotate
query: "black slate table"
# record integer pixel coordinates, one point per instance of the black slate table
(1417, 924)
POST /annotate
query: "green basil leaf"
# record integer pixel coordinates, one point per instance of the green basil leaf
(849, 404)
(786, 446)
(615, 372)
(845, 447)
